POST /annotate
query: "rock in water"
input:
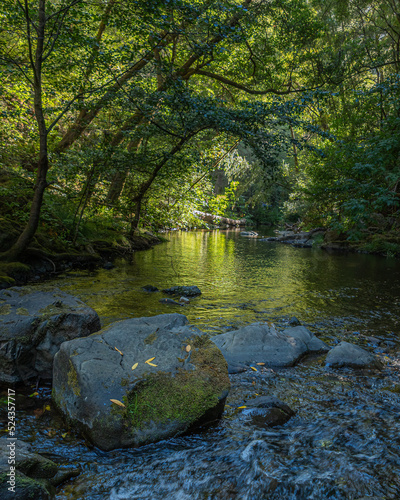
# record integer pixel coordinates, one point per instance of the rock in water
(171, 302)
(140, 380)
(185, 291)
(261, 343)
(352, 356)
(149, 288)
(32, 472)
(33, 324)
(266, 411)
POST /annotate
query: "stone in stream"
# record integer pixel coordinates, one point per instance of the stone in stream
(262, 343)
(140, 380)
(266, 411)
(149, 288)
(33, 324)
(294, 321)
(171, 302)
(352, 356)
(35, 475)
(185, 291)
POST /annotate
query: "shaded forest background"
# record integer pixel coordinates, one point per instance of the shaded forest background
(120, 116)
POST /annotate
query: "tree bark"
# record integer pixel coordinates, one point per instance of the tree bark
(43, 165)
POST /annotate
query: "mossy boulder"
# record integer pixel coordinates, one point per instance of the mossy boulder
(33, 324)
(139, 381)
(23, 473)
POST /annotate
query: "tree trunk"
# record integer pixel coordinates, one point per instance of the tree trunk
(43, 165)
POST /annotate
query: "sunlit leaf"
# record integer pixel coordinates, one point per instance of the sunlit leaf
(241, 407)
(151, 359)
(135, 366)
(116, 402)
(116, 348)
(188, 348)
(151, 364)
(253, 368)
(260, 364)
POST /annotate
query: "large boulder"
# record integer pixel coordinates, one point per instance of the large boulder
(140, 380)
(352, 356)
(33, 324)
(262, 343)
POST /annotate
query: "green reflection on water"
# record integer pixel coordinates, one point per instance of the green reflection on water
(244, 280)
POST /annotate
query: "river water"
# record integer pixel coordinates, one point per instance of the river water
(344, 441)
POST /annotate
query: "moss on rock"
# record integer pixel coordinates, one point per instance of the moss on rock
(73, 380)
(183, 396)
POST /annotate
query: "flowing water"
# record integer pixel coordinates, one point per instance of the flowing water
(344, 441)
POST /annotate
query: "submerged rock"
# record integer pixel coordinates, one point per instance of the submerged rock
(140, 380)
(266, 411)
(261, 343)
(33, 324)
(352, 356)
(149, 288)
(185, 291)
(172, 302)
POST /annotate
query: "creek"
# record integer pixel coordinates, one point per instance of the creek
(343, 442)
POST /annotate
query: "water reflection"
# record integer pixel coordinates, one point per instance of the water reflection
(244, 280)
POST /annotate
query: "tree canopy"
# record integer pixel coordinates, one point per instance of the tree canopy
(123, 111)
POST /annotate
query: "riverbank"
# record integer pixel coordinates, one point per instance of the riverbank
(42, 261)
(374, 243)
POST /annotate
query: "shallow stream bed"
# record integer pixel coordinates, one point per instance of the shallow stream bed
(344, 441)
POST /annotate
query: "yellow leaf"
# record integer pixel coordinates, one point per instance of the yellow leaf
(151, 359)
(47, 408)
(116, 348)
(116, 402)
(64, 435)
(255, 369)
(34, 394)
(188, 348)
(241, 407)
(260, 364)
(135, 366)
(151, 364)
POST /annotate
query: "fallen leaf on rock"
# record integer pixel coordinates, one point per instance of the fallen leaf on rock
(241, 407)
(255, 369)
(260, 364)
(151, 364)
(116, 402)
(188, 348)
(151, 359)
(116, 348)
(135, 366)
